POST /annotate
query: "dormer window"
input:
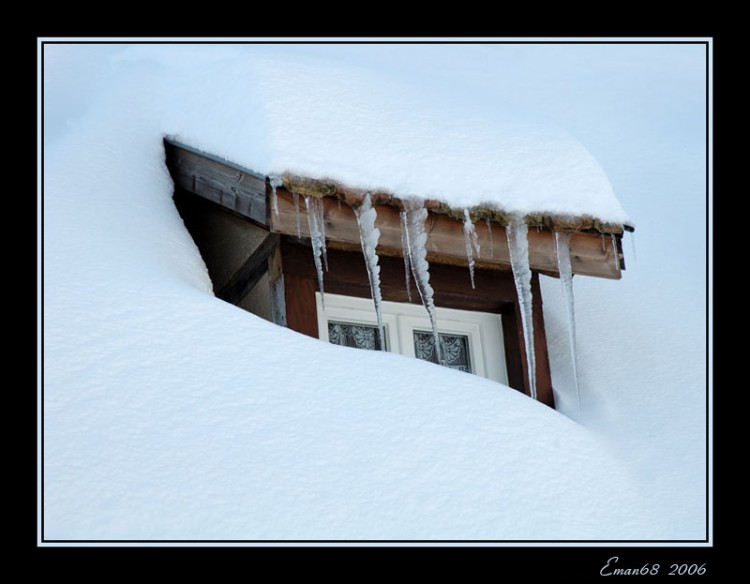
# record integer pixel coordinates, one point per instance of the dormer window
(283, 248)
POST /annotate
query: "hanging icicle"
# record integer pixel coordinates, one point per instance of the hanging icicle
(632, 245)
(369, 236)
(295, 196)
(488, 221)
(317, 236)
(472, 244)
(415, 215)
(275, 182)
(518, 246)
(407, 256)
(562, 244)
(616, 252)
(320, 220)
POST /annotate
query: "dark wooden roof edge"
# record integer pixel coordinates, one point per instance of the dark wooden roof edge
(244, 190)
(175, 143)
(238, 189)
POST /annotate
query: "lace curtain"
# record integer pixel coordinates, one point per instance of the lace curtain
(453, 348)
(359, 336)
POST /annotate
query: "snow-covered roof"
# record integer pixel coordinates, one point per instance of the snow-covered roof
(332, 117)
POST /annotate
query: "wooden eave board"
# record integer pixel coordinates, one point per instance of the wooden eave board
(591, 254)
(239, 189)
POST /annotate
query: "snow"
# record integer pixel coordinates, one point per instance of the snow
(383, 132)
(318, 112)
(171, 414)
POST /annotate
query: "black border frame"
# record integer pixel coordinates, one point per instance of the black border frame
(604, 546)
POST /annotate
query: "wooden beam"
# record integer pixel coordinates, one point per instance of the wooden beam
(301, 308)
(591, 254)
(231, 186)
(278, 290)
(250, 272)
(347, 275)
(544, 392)
(513, 343)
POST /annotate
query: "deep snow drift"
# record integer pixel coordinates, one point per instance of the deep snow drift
(170, 414)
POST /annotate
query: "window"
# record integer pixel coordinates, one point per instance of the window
(470, 341)
(360, 336)
(454, 349)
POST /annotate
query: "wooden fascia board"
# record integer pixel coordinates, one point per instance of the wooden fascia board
(235, 188)
(591, 254)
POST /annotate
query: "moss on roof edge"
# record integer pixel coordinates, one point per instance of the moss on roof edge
(353, 197)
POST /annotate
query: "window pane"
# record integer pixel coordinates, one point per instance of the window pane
(453, 348)
(359, 336)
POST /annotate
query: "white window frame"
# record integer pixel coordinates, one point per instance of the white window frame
(483, 329)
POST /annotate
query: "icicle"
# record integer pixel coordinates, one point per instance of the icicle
(407, 253)
(475, 240)
(562, 243)
(468, 228)
(275, 182)
(518, 246)
(616, 252)
(321, 221)
(489, 232)
(369, 236)
(296, 212)
(472, 244)
(407, 256)
(632, 245)
(415, 215)
(317, 236)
